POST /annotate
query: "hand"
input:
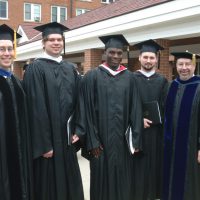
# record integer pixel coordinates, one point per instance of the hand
(97, 151)
(136, 150)
(48, 154)
(147, 123)
(75, 138)
(198, 157)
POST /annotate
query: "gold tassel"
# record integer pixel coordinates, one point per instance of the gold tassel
(15, 44)
(194, 59)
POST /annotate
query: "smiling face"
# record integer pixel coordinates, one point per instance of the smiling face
(148, 61)
(185, 68)
(113, 57)
(53, 45)
(6, 53)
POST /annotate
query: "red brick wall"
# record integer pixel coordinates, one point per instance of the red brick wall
(18, 70)
(134, 64)
(16, 11)
(165, 67)
(93, 57)
(90, 5)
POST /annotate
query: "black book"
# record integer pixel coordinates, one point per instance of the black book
(151, 111)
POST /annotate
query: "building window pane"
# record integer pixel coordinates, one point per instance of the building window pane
(62, 14)
(81, 11)
(3, 9)
(32, 12)
(78, 12)
(54, 14)
(58, 14)
(36, 13)
(28, 11)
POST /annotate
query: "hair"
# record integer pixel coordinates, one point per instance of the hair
(45, 38)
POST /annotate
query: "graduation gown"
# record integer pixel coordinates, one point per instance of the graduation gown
(182, 141)
(148, 163)
(51, 89)
(109, 104)
(4, 190)
(15, 150)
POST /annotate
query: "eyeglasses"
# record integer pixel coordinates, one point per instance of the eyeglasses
(4, 49)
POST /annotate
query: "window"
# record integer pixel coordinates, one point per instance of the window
(107, 1)
(58, 14)
(3, 9)
(32, 12)
(81, 11)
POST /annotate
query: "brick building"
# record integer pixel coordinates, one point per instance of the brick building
(16, 12)
(174, 24)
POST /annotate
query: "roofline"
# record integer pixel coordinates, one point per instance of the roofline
(151, 23)
(156, 4)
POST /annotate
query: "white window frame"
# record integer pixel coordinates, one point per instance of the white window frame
(107, 1)
(58, 13)
(82, 11)
(33, 18)
(6, 1)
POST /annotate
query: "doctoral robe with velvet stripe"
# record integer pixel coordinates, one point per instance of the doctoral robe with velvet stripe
(182, 139)
(148, 162)
(108, 105)
(51, 89)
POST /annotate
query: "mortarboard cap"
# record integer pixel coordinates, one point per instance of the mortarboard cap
(7, 33)
(148, 46)
(114, 41)
(51, 28)
(186, 54)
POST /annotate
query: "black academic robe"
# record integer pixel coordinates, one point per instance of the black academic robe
(148, 162)
(182, 141)
(109, 104)
(15, 150)
(51, 89)
(4, 189)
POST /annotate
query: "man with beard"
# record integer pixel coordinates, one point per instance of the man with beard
(51, 85)
(15, 150)
(182, 132)
(152, 89)
(109, 104)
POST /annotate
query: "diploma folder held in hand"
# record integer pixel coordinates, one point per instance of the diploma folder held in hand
(129, 137)
(151, 111)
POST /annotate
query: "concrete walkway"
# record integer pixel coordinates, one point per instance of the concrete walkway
(85, 173)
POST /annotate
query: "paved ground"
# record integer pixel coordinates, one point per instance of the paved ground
(85, 173)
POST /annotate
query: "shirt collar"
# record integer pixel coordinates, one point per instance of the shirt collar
(47, 56)
(147, 74)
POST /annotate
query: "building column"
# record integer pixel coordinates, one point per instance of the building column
(165, 67)
(18, 69)
(92, 58)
